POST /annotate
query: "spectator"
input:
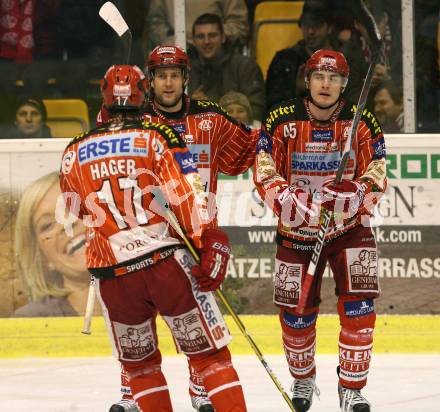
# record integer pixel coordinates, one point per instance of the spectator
(285, 77)
(51, 265)
(388, 106)
(426, 16)
(30, 120)
(358, 53)
(39, 78)
(16, 37)
(237, 106)
(217, 68)
(160, 19)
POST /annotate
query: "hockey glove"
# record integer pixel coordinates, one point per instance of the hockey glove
(214, 258)
(345, 197)
(295, 207)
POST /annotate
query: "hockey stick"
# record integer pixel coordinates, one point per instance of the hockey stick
(87, 330)
(367, 19)
(111, 15)
(172, 219)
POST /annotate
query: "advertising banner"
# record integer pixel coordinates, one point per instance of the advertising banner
(43, 271)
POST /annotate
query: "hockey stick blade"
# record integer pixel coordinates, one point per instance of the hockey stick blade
(111, 15)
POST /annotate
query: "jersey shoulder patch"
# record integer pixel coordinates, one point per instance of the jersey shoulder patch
(288, 110)
(368, 117)
(85, 135)
(172, 138)
(204, 106)
(199, 107)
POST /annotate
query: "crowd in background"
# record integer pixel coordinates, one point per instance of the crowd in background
(61, 49)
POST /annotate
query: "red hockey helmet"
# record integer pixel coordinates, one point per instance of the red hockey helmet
(330, 60)
(124, 88)
(168, 56)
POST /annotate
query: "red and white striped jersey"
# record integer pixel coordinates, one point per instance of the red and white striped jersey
(114, 176)
(218, 143)
(294, 150)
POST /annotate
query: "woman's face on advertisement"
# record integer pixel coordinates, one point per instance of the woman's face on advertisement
(60, 252)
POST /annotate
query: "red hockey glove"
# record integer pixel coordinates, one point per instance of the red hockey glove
(296, 206)
(345, 197)
(214, 258)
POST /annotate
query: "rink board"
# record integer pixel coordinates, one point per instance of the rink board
(61, 337)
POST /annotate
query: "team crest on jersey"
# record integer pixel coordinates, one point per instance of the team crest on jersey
(206, 125)
(68, 162)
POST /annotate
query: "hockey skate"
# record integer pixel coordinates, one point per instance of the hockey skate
(351, 400)
(124, 405)
(202, 404)
(303, 390)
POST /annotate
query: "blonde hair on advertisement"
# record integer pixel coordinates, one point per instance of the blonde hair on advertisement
(28, 257)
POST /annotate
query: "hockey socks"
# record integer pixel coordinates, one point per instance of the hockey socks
(150, 391)
(357, 319)
(299, 340)
(221, 381)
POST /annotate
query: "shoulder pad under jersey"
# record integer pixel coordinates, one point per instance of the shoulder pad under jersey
(368, 117)
(82, 136)
(172, 138)
(207, 106)
(288, 110)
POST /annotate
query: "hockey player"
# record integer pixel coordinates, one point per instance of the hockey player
(298, 154)
(111, 177)
(217, 142)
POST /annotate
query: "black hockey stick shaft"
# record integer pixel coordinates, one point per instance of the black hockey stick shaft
(376, 42)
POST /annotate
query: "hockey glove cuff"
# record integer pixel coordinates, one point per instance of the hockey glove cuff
(214, 257)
